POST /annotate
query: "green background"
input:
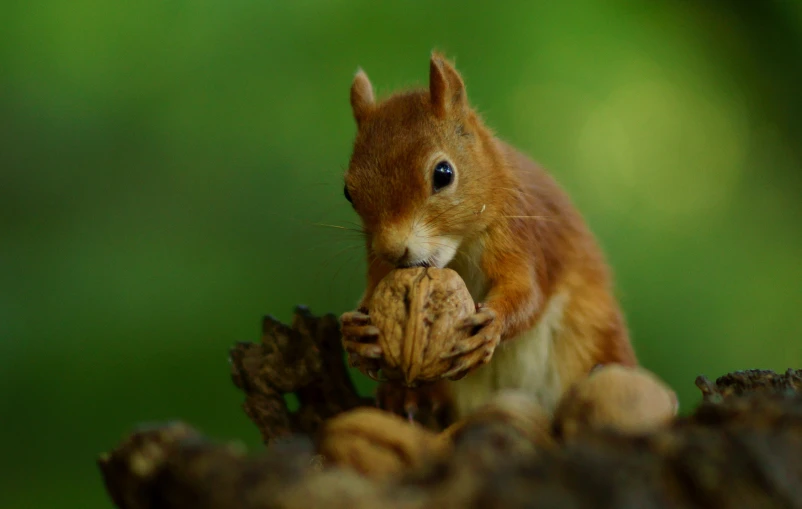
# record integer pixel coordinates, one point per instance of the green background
(163, 165)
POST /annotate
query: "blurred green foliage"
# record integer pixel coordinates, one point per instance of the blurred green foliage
(163, 166)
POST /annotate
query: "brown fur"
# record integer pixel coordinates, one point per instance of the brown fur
(535, 242)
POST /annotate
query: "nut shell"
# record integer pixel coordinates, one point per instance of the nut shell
(625, 399)
(417, 311)
(514, 408)
(377, 444)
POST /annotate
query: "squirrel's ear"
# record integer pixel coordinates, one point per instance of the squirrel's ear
(362, 99)
(446, 88)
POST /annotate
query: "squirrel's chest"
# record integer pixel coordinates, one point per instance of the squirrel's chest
(527, 362)
(467, 263)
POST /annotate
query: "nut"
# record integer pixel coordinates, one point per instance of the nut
(624, 399)
(417, 311)
(377, 444)
(513, 408)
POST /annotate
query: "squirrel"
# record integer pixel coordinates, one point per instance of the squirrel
(434, 186)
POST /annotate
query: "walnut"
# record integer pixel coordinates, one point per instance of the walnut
(417, 311)
(514, 409)
(377, 444)
(624, 399)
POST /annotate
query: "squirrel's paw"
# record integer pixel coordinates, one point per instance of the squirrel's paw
(477, 349)
(360, 341)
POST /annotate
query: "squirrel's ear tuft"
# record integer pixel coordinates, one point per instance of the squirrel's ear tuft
(362, 99)
(446, 88)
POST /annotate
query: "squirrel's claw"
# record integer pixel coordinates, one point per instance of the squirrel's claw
(368, 350)
(484, 316)
(360, 332)
(469, 345)
(375, 376)
(360, 342)
(354, 318)
(472, 353)
(485, 336)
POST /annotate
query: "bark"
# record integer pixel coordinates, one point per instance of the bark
(742, 447)
(305, 359)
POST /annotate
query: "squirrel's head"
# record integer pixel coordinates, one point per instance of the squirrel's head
(421, 172)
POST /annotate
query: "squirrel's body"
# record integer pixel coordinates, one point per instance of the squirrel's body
(579, 323)
(434, 186)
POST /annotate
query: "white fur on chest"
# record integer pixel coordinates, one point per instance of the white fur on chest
(525, 363)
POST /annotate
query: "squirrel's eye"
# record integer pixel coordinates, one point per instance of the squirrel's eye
(443, 175)
(347, 194)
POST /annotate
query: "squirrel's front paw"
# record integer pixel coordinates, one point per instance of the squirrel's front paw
(477, 349)
(360, 341)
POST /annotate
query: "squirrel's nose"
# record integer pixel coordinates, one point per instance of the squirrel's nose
(395, 251)
(398, 256)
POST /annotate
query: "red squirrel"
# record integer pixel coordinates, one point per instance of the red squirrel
(434, 186)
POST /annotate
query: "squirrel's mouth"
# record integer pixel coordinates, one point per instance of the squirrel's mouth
(422, 263)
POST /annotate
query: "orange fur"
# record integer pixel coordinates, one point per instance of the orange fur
(503, 223)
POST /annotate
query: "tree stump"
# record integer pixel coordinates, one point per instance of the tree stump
(741, 447)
